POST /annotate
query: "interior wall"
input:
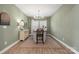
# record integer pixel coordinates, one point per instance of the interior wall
(10, 34)
(64, 24)
(48, 25)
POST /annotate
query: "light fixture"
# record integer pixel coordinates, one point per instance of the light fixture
(38, 15)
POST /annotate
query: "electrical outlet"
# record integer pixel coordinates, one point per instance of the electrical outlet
(5, 43)
(4, 27)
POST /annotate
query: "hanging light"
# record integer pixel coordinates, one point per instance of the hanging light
(38, 15)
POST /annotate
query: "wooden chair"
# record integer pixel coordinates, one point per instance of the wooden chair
(39, 35)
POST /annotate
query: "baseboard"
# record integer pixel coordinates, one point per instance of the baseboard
(8, 47)
(65, 44)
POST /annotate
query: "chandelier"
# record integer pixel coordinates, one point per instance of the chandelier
(38, 15)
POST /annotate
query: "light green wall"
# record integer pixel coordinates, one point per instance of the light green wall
(10, 34)
(48, 25)
(65, 24)
(29, 24)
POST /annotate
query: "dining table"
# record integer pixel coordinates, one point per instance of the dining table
(35, 36)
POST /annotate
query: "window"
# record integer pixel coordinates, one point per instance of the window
(38, 24)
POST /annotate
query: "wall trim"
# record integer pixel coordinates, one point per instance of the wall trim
(72, 49)
(8, 47)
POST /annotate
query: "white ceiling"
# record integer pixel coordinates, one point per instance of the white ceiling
(32, 9)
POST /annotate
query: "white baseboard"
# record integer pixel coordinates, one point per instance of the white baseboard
(5, 49)
(65, 44)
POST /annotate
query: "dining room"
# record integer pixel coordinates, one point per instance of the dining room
(39, 28)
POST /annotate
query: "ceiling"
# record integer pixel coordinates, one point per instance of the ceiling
(41, 9)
